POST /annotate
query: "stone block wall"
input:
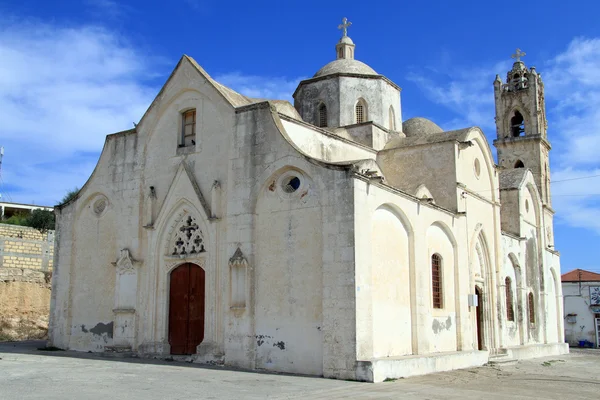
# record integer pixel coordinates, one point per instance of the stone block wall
(25, 272)
(26, 248)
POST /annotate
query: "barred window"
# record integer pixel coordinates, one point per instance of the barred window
(436, 281)
(531, 309)
(361, 111)
(322, 115)
(188, 134)
(510, 312)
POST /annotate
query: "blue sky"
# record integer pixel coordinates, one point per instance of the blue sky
(73, 71)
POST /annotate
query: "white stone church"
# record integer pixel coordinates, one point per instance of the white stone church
(326, 238)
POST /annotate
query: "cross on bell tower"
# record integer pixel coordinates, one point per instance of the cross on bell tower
(345, 47)
(518, 54)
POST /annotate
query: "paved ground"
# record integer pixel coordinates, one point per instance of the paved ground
(27, 373)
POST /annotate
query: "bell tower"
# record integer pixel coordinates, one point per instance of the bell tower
(521, 124)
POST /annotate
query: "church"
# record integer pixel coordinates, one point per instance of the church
(328, 238)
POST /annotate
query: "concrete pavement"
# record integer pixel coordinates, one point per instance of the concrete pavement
(28, 373)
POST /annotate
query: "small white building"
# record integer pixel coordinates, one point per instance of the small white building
(326, 238)
(581, 296)
(7, 209)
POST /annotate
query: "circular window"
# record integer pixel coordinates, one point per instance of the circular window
(477, 167)
(527, 205)
(291, 184)
(99, 206)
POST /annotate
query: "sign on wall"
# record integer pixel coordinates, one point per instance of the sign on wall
(594, 295)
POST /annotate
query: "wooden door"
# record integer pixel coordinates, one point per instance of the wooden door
(478, 311)
(186, 308)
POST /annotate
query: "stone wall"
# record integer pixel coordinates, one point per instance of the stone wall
(25, 273)
(24, 247)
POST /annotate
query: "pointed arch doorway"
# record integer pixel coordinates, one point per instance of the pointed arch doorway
(479, 318)
(186, 308)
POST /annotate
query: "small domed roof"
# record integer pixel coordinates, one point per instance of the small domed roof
(344, 65)
(346, 40)
(419, 127)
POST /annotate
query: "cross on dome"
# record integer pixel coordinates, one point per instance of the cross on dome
(344, 26)
(518, 54)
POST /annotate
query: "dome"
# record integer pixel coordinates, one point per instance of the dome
(346, 66)
(419, 127)
(346, 40)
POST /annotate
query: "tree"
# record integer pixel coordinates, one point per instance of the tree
(42, 220)
(70, 195)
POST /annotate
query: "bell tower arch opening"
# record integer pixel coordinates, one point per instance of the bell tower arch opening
(517, 125)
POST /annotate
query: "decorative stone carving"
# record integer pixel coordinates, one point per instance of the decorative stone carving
(125, 263)
(238, 259)
(238, 266)
(187, 239)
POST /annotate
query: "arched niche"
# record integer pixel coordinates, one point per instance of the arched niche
(391, 283)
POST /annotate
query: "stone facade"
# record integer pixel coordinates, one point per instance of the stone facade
(26, 248)
(313, 246)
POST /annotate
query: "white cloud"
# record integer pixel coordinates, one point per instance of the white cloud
(61, 91)
(270, 88)
(572, 83)
(465, 91)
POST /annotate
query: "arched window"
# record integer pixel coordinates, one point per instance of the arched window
(188, 128)
(531, 308)
(517, 125)
(392, 119)
(510, 312)
(519, 164)
(322, 115)
(361, 111)
(436, 281)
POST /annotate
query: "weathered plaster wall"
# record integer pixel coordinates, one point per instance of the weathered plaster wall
(443, 320)
(302, 258)
(577, 301)
(433, 165)
(390, 274)
(340, 94)
(322, 147)
(417, 232)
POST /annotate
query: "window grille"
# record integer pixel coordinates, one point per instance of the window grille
(510, 312)
(323, 115)
(436, 280)
(531, 309)
(360, 113)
